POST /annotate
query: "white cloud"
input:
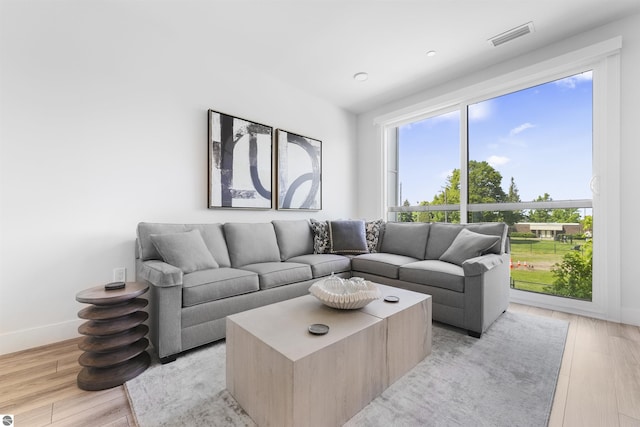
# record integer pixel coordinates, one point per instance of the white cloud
(572, 81)
(516, 130)
(498, 160)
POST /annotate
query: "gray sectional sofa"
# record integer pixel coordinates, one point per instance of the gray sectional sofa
(201, 273)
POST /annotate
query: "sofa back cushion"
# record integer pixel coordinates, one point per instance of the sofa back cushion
(405, 238)
(295, 238)
(440, 238)
(212, 234)
(251, 243)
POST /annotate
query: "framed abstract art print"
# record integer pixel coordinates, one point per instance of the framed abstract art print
(299, 163)
(240, 163)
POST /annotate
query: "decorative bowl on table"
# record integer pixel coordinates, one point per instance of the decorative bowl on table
(345, 294)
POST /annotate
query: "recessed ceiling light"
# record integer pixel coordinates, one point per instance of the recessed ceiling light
(431, 53)
(362, 76)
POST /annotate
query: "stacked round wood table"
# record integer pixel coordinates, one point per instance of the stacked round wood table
(114, 345)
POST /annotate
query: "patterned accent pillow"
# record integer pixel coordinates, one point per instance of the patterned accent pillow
(372, 230)
(320, 236)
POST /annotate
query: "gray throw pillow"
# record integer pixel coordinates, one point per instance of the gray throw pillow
(347, 237)
(187, 251)
(468, 244)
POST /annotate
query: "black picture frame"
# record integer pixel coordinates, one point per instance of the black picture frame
(299, 165)
(240, 163)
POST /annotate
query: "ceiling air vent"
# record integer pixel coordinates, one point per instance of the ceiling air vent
(513, 33)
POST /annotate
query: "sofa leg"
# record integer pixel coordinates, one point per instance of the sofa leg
(168, 359)
(474, 334)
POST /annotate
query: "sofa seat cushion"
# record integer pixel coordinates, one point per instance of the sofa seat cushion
(440, 274)
(214, 284)
(381, 264)
(324, 264)
(272, 274)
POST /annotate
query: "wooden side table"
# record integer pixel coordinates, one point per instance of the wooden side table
(115, 343)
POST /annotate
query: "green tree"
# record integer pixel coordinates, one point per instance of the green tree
(541, 215)
(484, 187)
(513, 196)
(450, 195)
(565, 215)
(424, 216)
(406, 216)
(573, 276)
(587, 223)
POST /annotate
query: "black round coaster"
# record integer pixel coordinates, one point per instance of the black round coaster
(391, 298)
(318, 329)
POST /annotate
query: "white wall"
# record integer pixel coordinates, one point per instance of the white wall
(370, 153)
(103, 125)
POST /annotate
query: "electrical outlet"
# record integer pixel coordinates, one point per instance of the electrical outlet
(120, 274)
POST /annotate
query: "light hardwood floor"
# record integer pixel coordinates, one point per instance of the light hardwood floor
(599, 382)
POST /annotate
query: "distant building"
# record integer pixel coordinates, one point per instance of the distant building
(548, 230)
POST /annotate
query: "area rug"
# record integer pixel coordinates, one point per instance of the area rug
(506, 378)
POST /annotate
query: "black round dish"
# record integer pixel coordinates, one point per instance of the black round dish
(318, 329)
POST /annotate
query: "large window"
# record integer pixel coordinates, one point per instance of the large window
(556, 184)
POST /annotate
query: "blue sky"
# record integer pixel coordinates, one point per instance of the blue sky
(542, 136)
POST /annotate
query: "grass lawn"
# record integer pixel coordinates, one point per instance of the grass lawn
(541, 255)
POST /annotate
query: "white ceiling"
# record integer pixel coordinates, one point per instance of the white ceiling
(317, 45)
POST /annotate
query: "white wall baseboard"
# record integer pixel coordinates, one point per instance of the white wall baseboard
(29, 338)
(630, 316)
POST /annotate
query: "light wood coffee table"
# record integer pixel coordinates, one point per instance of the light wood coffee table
(284, 376)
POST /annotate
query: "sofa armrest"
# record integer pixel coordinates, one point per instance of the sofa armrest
(165, 305)
(159, 273)
(486, 295)
(481, 264)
